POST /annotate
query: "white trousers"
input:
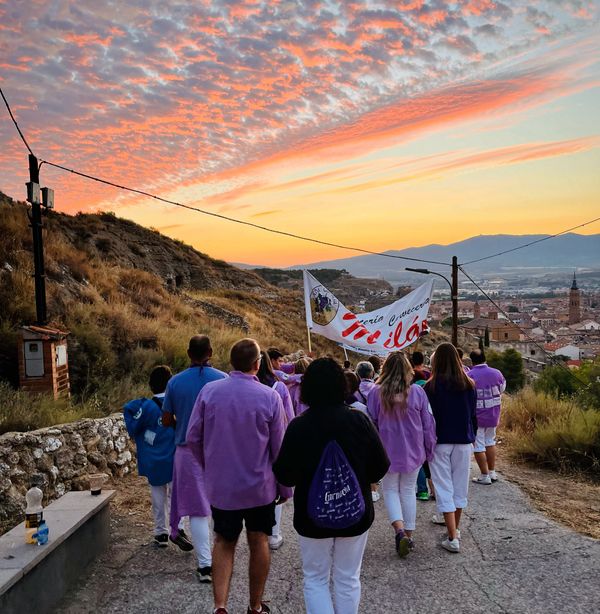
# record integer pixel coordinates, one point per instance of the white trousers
(200, 530)
(399, 497)
(276, 530)
(336, 559)
(161, 499)
(450, 474)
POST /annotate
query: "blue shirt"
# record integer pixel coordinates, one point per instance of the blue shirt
(182, 391)
(155, 443)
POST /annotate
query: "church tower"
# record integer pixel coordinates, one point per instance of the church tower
(476, 310)
(574, 303)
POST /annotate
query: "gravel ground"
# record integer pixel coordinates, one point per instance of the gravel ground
(513, 560)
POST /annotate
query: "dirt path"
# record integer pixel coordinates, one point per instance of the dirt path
(513, 559)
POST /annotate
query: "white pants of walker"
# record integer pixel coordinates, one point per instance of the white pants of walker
(336, 559)
(450, 474)
(399, 497)
(276, 531)
(200, 529)
(161, 499)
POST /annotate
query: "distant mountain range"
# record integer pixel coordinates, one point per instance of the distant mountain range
(564, 253)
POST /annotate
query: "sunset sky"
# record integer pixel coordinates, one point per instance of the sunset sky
(378, 124)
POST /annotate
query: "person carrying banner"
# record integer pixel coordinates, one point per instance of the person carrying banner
(400, 411)
(453, 400)
(235, 433)
(188, 497)
(329, 552)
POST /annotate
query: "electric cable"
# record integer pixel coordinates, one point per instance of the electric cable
(15, 122)
(514, 249)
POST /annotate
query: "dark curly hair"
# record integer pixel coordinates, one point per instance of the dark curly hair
(323, 383)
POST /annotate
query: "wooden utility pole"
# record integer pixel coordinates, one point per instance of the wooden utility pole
(35, 218)
(454, 301)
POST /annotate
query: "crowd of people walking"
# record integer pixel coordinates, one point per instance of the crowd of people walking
(228, 451)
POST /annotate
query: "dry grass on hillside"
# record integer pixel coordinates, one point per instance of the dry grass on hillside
(552, 433)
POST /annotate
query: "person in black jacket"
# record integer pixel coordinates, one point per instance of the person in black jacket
(453, 399)
(330, 552)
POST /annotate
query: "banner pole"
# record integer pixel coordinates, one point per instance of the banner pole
(345, 353)
(309, 341)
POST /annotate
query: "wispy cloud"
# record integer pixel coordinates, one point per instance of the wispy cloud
(157, 95)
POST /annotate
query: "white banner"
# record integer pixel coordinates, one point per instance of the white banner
(378, 332)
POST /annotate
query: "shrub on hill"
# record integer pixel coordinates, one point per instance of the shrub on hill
(551, 432)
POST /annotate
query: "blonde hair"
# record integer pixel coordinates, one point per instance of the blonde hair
(395, 379)
(301, 365)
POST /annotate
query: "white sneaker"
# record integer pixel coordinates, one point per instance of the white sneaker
(438, 519)
(375, 496)
(483, 479)
(452, 545)
(493, 476)
(275, 542)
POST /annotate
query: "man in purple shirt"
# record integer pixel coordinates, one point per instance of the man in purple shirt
(236, 430)
(490, 384)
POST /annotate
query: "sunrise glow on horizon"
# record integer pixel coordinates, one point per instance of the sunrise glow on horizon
(382, 125)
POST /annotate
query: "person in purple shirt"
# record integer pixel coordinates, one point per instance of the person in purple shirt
(400, 411)
(187, 495)
(453, 400)
(235, 431)
(365, 373)
(279, 367)
(267, 377)
(490, 384)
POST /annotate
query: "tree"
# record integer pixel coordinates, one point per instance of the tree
(481, 346)
(513, 370)
(486, 339)
(513, 309)
(510, 364)
(556, 381)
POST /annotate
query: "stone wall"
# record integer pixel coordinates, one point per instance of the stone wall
(59, 458)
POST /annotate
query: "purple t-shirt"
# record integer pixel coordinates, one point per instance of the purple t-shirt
(490, 384)
(408, 437)
(235, 431)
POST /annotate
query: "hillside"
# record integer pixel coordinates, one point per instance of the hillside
(565, 253)
(131, 298)
(357, 294)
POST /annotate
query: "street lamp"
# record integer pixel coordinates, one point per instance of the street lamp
(453, 293)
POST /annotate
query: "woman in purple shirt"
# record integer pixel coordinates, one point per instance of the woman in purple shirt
(401, 413)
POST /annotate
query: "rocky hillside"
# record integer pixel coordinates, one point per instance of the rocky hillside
(131, 298)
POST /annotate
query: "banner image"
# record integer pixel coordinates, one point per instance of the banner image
(378, 332)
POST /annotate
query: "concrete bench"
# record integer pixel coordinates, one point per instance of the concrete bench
(35, 578)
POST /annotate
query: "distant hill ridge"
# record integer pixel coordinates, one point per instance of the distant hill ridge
(566, 251)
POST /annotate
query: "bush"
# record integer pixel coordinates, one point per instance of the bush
(552, 432)
(510, 364)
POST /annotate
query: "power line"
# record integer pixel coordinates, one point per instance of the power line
(238, 221)
(211, 213)
(514, 249)
(531, 339)
(15, 122)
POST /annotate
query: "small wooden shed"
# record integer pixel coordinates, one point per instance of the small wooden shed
(43, 360)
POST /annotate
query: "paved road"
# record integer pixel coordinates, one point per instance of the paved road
(513, 560)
